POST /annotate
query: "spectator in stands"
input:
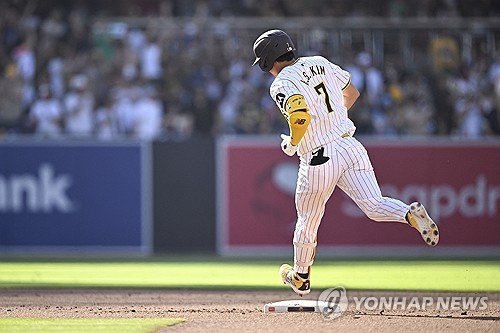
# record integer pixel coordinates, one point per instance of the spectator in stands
(106, 121)
(79, 108)
(55, 70)
(204, 113)
(148, 115)
(370, 83)
(369, 78)
(151, 60)
(491, 98)
(11, 107)
(130, 63)
(489, 110)
(470, 118)
(54, 27)
(125, 94)
(494, 78)
(461, 90)
(24, 57)
(206, 96)
(179, 125)
(46, 114)
(417, 110)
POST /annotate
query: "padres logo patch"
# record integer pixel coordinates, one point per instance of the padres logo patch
(280, 98)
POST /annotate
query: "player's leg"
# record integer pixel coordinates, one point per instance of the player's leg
(360, 184)
(315, 185)
(362, 187)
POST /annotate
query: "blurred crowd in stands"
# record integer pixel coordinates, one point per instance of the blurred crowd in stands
(64, 74)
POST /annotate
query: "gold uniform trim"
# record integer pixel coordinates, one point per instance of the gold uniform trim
(348, 83)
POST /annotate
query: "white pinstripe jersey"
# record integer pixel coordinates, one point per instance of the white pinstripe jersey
(321, 83)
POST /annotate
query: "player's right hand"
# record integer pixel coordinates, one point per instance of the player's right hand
(286, 146)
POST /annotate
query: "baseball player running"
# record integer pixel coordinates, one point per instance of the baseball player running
(314, 96)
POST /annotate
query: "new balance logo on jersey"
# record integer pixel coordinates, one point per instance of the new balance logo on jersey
(300, 121)
(45, 192)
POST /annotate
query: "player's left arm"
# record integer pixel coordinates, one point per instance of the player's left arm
(297, 113)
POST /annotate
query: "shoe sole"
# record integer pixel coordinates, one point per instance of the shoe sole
(426, 226)
(297, 291)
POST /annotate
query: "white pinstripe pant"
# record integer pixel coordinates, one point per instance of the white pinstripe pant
(350, 169)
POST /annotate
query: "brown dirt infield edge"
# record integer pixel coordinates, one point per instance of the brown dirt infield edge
(242, 311)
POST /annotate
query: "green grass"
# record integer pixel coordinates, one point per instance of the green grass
(84, 325)
(216, 273)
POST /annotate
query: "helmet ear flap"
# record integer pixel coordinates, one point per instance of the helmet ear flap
(264, 66)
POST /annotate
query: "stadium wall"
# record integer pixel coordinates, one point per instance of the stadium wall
(184, 196)
(234, 197)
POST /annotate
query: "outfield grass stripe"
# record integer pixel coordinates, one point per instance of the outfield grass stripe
(85, 325)
(374, 275)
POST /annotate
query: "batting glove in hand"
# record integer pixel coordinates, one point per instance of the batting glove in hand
(286, 146)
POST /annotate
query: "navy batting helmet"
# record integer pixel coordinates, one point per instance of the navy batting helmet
(270, 46)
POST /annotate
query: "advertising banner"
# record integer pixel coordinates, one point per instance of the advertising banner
(459, 183)
(74, 197)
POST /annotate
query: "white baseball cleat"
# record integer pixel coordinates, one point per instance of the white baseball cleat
(420, 220)
(290, 277)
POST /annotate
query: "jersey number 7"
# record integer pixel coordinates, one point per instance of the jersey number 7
(321, 89)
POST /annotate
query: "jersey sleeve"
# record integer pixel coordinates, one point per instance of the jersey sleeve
(343, 76)
(281, 91)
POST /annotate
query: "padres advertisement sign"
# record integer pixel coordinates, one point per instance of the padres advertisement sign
(458, 182)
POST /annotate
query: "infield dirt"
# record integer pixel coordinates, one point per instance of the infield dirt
(242, 311)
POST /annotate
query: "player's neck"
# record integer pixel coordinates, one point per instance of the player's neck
(278, 66)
